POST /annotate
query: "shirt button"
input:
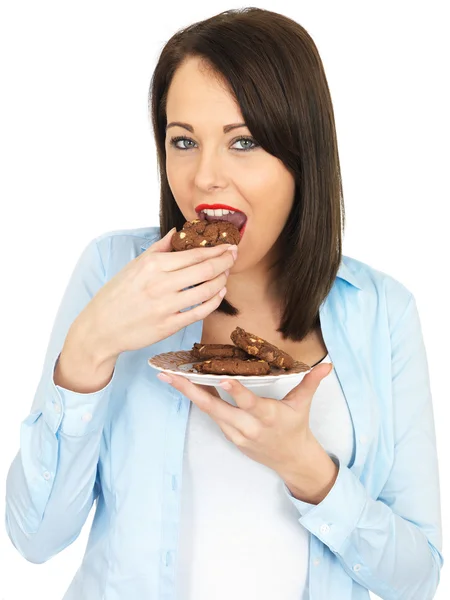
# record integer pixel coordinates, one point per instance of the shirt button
(46, 475)
(324, 529)
(87, 417)
(57, 408)
(316, 562)
(356, 568)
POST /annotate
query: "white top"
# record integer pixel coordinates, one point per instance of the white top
(239, 533)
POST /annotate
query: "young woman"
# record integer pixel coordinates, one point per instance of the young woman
(323, 490)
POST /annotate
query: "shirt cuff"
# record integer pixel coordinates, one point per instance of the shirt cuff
(334, 519)
(300, 505)
(76, 413)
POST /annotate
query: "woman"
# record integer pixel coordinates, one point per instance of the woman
(322, 490)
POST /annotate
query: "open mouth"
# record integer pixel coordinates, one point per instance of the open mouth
(222, 212)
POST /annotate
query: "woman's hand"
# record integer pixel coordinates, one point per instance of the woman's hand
(272, 432)
(141, 304)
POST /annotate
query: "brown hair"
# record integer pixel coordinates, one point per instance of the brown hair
(274, 70)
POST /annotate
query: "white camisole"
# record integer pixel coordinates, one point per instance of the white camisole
(239, 534)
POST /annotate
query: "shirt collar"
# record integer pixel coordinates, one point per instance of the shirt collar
(344, 271)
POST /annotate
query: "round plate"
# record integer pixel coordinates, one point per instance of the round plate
(180, 363)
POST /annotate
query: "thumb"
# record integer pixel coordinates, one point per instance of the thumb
(163, 245)
(312, 380)
(307, 387)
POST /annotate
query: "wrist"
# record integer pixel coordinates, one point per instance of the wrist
(83, 339)
(80, 367)
(311, 480)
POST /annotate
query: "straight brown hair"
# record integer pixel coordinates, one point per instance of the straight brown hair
(272, 67)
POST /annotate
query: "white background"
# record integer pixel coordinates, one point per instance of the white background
(78, 159)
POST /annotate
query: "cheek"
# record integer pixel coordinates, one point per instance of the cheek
(178, 184)
(271, 198)
(271, 203)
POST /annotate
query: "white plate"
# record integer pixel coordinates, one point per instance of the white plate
(180, 363)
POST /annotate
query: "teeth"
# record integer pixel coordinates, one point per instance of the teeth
(217, 212)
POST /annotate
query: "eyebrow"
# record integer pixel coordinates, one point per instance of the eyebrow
(226, 128)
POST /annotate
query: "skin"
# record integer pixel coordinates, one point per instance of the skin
(214, 167)
(272, 432)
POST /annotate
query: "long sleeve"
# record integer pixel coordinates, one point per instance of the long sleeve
(391, 545)
(53, 480)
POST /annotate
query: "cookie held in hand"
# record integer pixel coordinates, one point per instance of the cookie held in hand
(256, 346)
(233, 366)
(203, 234)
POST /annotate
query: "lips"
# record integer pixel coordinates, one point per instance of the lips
(238, 219)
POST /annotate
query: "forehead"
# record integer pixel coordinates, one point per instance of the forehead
(196, 93)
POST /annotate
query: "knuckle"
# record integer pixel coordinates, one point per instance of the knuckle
(198, 254)
(196, 313)
(239, 440)
(152, 263)
(209, 269)
(268, 418)
(230, 260)
(207, 407)
(207, 291)
(252, 432)
(226, 436)
(210, 290)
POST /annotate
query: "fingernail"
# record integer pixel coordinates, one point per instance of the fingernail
(225, 385)
(227, 272)
(234, 251)
(164, 377)
(222, 292)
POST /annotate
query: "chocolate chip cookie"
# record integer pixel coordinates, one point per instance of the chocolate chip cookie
(233, 366)
(203, 351)
(256, 346)
(201, 233)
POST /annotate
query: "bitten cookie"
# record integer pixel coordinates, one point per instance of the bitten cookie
(203, 351)
(256, 346)
(233, 366)
(201, 233)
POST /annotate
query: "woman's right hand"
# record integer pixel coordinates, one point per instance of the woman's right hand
(141, 304)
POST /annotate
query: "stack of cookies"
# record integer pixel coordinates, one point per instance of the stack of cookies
(251, 355)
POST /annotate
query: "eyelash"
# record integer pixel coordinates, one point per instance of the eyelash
(174, 140)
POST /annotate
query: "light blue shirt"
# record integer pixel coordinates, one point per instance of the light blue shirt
(378, 529)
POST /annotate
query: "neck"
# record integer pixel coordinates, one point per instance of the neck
(253, 291)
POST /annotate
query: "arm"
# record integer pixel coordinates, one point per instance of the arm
(392, 545)
(53, 480)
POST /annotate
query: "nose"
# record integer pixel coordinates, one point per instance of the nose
(209, 173)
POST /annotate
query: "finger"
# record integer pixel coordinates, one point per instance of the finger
(202, 293)
(232, 434)
(214, 406)
(178, 320)
(201, 272)
(173, 261)
(260, 408)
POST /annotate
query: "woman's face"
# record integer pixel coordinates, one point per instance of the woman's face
(210, 167)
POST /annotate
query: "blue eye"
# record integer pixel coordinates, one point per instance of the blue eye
(180, 138)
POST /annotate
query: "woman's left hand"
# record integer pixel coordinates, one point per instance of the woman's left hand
(272, 432)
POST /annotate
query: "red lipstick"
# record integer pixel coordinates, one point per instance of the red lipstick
(201, 207)
(239, 219)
